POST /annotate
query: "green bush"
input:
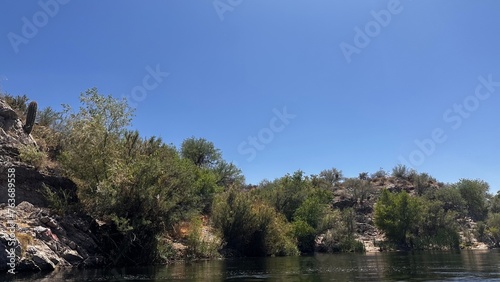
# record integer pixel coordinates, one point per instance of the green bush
(341, 236)
(48, 117)
(381, 173)
(402, 172)
(475, 193)
(359, 189)
(422, 183)
(199, 245)
(451, 199)
(330, 177)
(18, 103)
(251, 227)
(305, 235)
(437, 228)
(398, 216)
(59, 202)
(493, 227)
(140, 185)
(334, 241)
(32, 156)
(287, 194)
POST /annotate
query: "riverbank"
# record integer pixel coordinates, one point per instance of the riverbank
(44, 226)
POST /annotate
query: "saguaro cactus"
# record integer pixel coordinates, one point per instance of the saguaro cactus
(30, 117)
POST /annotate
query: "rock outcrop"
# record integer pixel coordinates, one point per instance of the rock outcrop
(40, 238)
(44, 241)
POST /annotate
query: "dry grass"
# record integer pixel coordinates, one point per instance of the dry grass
(24, 240)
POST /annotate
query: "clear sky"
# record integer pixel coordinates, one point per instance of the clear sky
(279, 85)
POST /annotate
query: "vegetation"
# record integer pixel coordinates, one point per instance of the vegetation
(32, 156)
(398, 216)
(475, 194)
(145, 189)
(30, 117)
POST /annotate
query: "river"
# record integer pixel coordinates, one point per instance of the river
(396, 266)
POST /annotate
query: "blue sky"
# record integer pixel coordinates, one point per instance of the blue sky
(411, 72)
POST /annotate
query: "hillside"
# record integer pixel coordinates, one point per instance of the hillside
(86, 192)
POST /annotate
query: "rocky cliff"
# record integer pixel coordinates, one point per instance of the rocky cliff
(32, 236)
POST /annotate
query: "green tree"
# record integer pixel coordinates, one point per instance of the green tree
(438, 228)
(495, 203)
(330, 176)
(92, 138)
(475, 193)
(309, 216)
(228, 174)
(201, 152)
(422, 183)
(287, 194)
(359, 189)
(398, 215)
(451, 199)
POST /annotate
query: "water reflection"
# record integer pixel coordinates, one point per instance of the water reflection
(464, 265)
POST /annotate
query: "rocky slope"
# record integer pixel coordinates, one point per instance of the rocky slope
(366, 231)
(32, 236)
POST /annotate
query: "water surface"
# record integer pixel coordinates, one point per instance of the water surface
(415, 266)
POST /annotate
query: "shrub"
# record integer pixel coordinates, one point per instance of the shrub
(493, 228)
(359, 189)
(32, 156)
(422, 183)
(402, 172)
(18, 103)
(475, 193)
(381, 173)
(398, 215)
(274, 232)
(363, 176)
(49, 141)
(438, 228)
(287, 194)
(495, 203)
(334, 241)
(480, 231)
(59, 202)
(305, 235)
(142, 187)
(340, 237)
(200, 245)
(451, 199)
(331, 176)
(48, 117)
(250, 227)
